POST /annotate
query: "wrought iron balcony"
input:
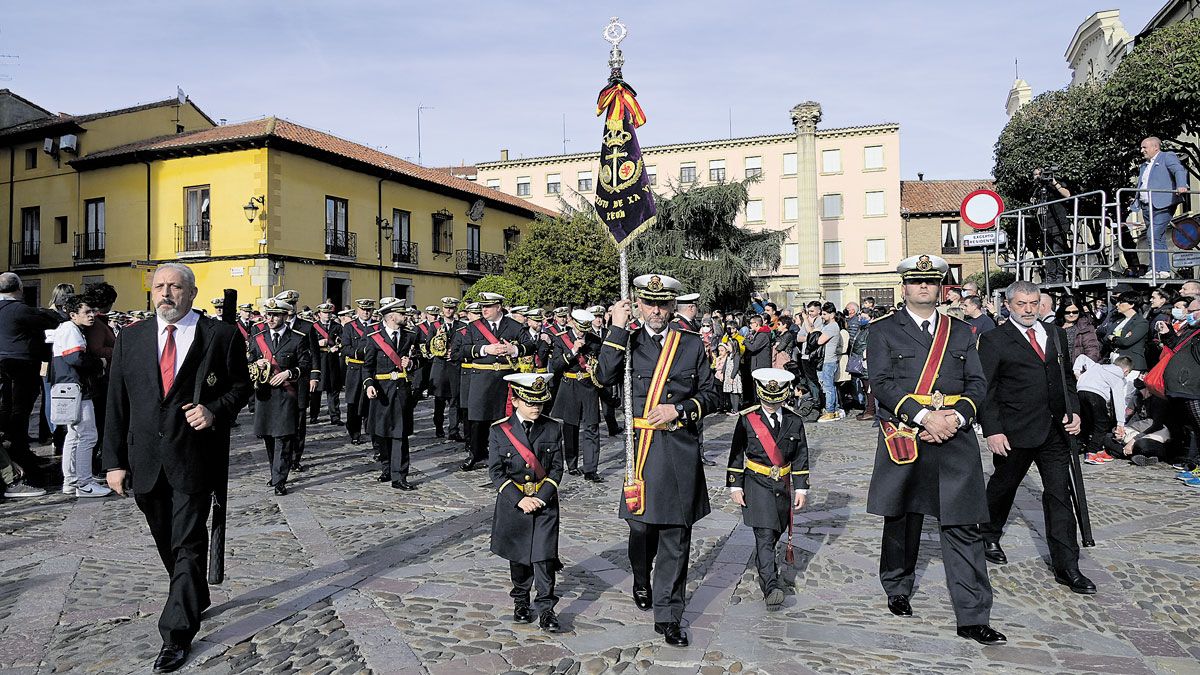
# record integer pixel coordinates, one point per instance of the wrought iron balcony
(404, 252)
(469, 262)
(341, 243)
(192, 239)
(89, 247)
(26, 254)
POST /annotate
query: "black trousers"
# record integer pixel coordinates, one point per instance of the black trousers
(538, 575)
(477, 440)
(1053, 463)
(589, 437)
(393, 456)
(280, 451)
(765, 540)
(439, 415)
(663, 550)
(333, 405)
(610, 401)
(20, 385)
(1095, 422)
(301, 424)
(177, 522)
(962, 556)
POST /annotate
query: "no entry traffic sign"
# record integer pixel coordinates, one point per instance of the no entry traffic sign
(981, 208)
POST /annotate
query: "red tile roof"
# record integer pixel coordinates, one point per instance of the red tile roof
(282, 133)
(938, 196)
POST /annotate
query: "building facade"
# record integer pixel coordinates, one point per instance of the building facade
(933, 223)
(835, 192)
(258, 207)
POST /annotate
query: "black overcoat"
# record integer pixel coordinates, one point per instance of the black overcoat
(391, 417)
(518, 536)
(488, 392)
(277, 410)
(768, 501)
(577, 401)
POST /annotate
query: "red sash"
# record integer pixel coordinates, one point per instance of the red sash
(566, 338)
(387, 349)
(357, 329)
(263, 347)
(901, 441)
(526, 454)
(324, 333)
(486, 332)
(242, 329)
(765, 438)
(424, 329)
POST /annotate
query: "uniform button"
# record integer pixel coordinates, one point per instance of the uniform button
(528, 478)
(668, 396)
(528, 467)
(509, 455)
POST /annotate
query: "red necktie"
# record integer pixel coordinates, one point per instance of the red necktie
(1033, 341)
(166, 362)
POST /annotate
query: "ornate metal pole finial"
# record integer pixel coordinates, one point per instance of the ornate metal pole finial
(613, 33)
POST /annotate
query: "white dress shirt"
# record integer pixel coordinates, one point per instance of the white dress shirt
(1039, 329)
(185, 334)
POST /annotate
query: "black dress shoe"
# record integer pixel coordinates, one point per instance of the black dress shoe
(574, 471)
(355, 440)
(1075, 579)
(641, 598)
(439, 434)
(403, 485)
(170, 658)
(384, 477)
(993, 553)
(455, 436)
(335, 423)
(983, 634)
(313, 420)
(522, 614)
(470, 466)
(281, 489)
(548, 622)
(270, 482)
(298, 467)
(618, 432)
(593, 477)
(672, 632)
(898, 604)
(707, 462)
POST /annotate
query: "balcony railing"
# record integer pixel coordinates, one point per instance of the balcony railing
(89, 247)
(26, 254)
(192, 239)
(341, 243)
(469, 262)
(404, 253)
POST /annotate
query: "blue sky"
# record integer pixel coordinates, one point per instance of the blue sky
(503, 74)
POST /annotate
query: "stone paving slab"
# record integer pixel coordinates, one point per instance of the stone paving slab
(346, 575)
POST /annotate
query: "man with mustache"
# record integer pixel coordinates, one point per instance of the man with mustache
(176, 385)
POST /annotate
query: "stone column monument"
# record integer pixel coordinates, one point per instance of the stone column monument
(805, 118)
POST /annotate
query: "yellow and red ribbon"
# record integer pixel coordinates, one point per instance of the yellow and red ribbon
(617, 100)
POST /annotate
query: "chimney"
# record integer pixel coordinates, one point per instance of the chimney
(504, 155)
(920, 176)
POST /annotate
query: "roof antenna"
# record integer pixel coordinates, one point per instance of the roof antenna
(9, 60)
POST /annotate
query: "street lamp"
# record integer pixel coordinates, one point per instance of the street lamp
(385, 228)
(252, 207)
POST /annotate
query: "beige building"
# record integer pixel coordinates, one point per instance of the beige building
(835, 191)
(933, 224)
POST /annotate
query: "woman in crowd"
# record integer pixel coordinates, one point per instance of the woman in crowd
(1128, 335)
(1076, 320)
(1182, 386)
(728, 373)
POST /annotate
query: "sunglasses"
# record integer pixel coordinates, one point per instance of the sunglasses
(1071, 311)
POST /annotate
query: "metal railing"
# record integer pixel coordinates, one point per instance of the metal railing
(470, 262)
(192, 239)
(404, 252)
(89, 247)
(341, 243)
(26, 254)
(1085, 237)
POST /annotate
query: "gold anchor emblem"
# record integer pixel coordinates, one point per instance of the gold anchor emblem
(211, 380)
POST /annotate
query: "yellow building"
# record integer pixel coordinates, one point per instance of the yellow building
(258, 207)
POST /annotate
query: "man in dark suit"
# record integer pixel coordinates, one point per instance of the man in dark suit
(1162, 180)
(444, 371)
(327, 359)
(282, 359)
(1024, 419)
(389, 360)
(493, 343)
(610, 397)
(176, 384)
(768, 473)
(525, 464)
(926, 378)
(672, 389)
(577, 404)
(686, 310)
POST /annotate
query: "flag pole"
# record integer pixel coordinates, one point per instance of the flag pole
(627, 380)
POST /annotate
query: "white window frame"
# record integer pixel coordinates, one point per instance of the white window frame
(554, 183)
(525, 183)
(791, 208)
(790, 158)
(867, 212)
(754, 166)
(867, 156)
(882, 259)
(584, 176)
(825, 215)
(837, 247)
(836, 155)
(758, 204)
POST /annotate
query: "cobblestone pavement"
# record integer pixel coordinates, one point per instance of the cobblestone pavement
(346, 575)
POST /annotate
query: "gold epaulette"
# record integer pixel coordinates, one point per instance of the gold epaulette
(499, 421)
(750, 409)
(299, 333)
